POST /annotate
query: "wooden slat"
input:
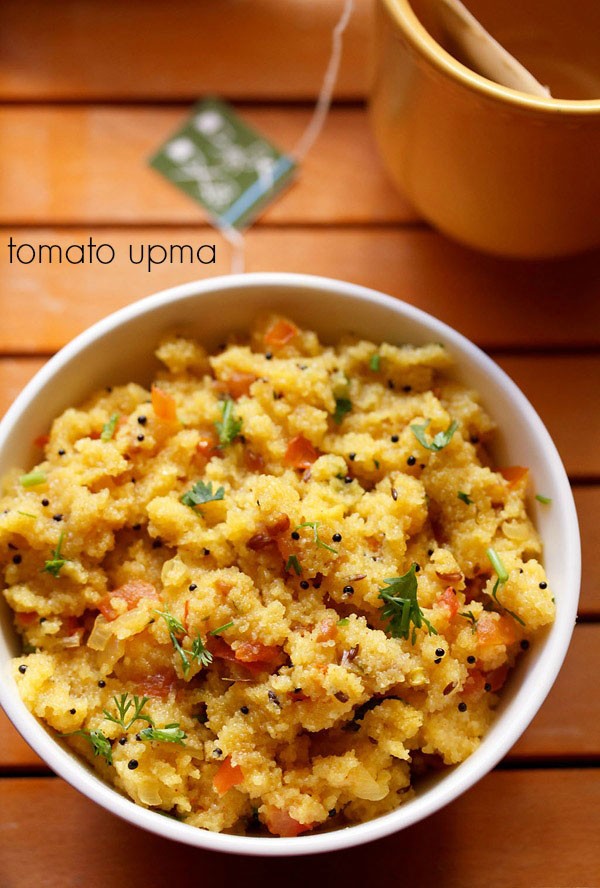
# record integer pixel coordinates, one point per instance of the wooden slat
(89, 165)
(525, 830)
(566, 390)
(568, 724)
(587, 500)
(560, 388)
(490, 300)
(15, 373)
(15, 753)
(566, 727)
(107, 49)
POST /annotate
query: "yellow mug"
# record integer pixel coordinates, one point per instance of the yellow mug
(495, 168)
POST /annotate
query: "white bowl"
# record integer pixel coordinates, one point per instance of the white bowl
(119, 349)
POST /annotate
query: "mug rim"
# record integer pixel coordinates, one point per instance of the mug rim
(406, 20)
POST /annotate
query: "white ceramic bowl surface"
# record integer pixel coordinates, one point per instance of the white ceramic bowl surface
(120, 348)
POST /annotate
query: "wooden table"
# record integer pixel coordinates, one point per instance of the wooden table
(90, 89)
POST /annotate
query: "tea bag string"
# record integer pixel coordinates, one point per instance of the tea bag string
(236, 238)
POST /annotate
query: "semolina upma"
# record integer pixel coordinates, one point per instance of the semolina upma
(276, 588)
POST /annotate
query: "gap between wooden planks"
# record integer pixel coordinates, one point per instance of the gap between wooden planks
(523, 829)
(90, 166)
(495, 302)
(567, 726)
(110, 50)
(562, 388)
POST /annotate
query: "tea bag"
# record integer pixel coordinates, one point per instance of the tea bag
(471, 44)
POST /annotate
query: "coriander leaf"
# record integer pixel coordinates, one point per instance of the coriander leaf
(401, 606)
(439, 441)
(168, 734)
(202, 493)
(502, 574)
(173, 624)
(123, 705)
(469, 615)
(108, 429)
(222, 628)
(55, 564)
(99, 743)
(230, 426)
(543, 499)
(375, 362)
(317, 539)
(342, 407)
(465, 498)
(175, 628)
(343, 622)
(32, 479)
(498, 567)
(293, 562)
(200, 653)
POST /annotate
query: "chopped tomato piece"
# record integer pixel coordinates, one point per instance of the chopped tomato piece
(157, 685)
(71, 626)
(131, 592)
(497, 677)
(252, 656)
(268, 535)
(326, 629)
(280, 333)
(449, 600)
(238, 384)
(227, 776)
(208, 445)
(513, 474)
(41, 441)
(219, 648)
(27, 619)
(492, 631)
(280, 823)
(254, 461)
(300, 453)
(474, 685)
(279, 523)
(254, 652)
(164, 405)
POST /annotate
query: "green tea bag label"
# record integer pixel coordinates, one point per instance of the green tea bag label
(229, 168)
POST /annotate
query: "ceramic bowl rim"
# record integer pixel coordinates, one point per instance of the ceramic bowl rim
(457, 780)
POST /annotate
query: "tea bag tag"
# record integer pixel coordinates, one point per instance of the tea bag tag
(231, 169)
(220, 161)
(476, 48)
